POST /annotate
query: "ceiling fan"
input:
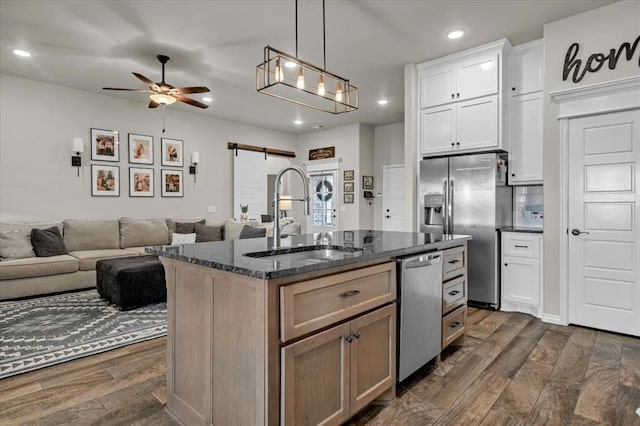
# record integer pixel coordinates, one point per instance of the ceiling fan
(165, 94)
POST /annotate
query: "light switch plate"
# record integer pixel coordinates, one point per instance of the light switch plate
(211, 209)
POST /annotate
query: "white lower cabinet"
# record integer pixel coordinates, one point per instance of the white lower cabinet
(521, 272)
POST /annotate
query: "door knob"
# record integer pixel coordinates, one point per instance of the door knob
(577, 232)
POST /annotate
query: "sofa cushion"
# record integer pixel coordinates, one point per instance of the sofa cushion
(38, 267)
(87, 258)
(205, 233)
(21, 233)
(143, 232)
(252, 232)
(232, 229)
(15, 245)
(47, 242)
(186, 227)
(91, 234)
(171, 222)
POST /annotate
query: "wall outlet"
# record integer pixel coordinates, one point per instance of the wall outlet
(211, 209)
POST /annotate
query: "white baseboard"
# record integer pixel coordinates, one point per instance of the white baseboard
(553, 319)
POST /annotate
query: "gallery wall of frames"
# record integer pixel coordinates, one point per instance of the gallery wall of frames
(106, 146)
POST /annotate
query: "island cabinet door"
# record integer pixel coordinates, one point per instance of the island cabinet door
(373, 352)
(315, 379)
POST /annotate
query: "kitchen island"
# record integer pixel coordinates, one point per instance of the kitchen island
(300, 335)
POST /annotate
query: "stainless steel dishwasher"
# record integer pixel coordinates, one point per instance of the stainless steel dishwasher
(420, 324)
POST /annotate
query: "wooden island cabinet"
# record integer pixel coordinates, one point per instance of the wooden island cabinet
(306, 349)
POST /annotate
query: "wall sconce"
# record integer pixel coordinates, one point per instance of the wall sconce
(195, 159)
(78, 148)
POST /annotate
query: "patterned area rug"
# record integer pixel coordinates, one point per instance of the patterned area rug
(41, 332)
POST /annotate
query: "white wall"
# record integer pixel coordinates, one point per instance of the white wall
(39, 120)
(388, 149)
(596, 31)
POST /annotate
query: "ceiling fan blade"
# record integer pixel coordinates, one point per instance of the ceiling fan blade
(128, 90)
(153, 104)
(151, 84)
(196, 89)
(193, 102)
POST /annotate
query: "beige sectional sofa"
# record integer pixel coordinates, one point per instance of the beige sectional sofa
(86, 242)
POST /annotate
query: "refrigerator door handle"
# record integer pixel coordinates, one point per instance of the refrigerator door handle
(445, 208)
(450, 211)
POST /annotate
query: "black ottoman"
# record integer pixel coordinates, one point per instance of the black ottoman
(131, 282)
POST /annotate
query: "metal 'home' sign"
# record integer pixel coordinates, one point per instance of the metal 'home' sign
(596, 60)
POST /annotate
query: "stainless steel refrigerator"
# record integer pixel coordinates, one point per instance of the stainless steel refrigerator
(468, 194)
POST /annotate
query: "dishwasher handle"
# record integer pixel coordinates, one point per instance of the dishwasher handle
(422, 262)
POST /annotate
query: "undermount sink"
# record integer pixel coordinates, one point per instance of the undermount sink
(309, 254)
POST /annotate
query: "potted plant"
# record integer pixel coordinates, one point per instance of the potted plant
(244, 208)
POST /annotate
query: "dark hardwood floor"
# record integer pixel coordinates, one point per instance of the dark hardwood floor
(512, 369)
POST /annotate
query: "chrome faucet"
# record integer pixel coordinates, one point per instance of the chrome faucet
(276, 201)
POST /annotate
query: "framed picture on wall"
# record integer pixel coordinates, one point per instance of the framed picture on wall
(105, 145)
(140, 149)
(367, 182)
(348, 175)
(140, 182)
(348, 187)
(348, 198)
(105, 181)
(172, 152)
(171, 181)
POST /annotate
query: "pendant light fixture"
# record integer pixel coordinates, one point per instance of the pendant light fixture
(304, 83)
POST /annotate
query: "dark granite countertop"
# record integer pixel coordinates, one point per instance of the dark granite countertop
(522, 229)
(360, 245)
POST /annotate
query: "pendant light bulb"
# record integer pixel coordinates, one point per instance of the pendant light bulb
(279, 75)
(300, 82)
(339, 92)
(321, 90)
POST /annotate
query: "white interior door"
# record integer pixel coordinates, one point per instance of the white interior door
(604, 289)
(393, 198)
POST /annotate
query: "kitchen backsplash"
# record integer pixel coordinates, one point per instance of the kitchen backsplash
(528, 206)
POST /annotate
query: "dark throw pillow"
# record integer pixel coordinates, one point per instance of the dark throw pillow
(206, 233)
(252, 232)
(187, 227)
(47, 242)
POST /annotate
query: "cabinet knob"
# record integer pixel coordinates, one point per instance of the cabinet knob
(458, 143)
(506, 264)
(453, 96)
(387, 210)
(513, 88)
(388, 217)
(457, 95)
(356, 335)
(513, 174)
(348, 339)
(453, 144)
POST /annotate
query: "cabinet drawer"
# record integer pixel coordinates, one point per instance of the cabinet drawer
(455, 262)
(454, 294)
(454, 325)
(521, 244)
(311, 305)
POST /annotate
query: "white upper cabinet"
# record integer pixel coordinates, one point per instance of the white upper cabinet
(468, 79)
(526, 68)
(460, 101)
(525, 114)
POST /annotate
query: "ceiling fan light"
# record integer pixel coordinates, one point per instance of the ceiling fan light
(162, 99)
(300, 82)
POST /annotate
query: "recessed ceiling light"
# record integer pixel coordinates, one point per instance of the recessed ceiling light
(297, 122)
(290, 64)
(207, 99)
(383, 102)
(22, 52)
(456, 34)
